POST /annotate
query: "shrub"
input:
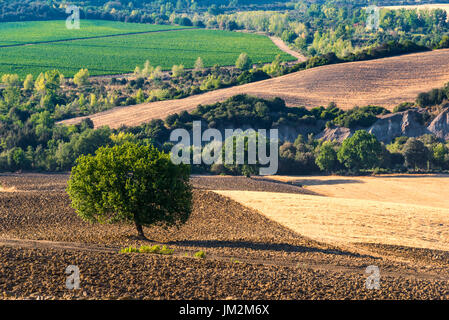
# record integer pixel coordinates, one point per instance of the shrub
(200, 254)
(403, 107)
(129, 250)
(147, 249)
(81, 78)
(243, 62)
(156, 249)
(252, 76)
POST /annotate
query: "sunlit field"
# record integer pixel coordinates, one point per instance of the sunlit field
(117, 48)
(406, 211)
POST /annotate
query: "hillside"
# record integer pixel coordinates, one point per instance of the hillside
(383, 82)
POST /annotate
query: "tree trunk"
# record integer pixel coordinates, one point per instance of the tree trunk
(140, 231)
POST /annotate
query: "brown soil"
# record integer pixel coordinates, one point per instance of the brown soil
(40, 235)
(383, 82)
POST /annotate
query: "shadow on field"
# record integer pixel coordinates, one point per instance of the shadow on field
(282, 247)
(316, 182)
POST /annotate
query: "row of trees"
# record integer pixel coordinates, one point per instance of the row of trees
(316, 28)
(363, 153)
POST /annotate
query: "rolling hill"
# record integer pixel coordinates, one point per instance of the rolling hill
(383, 82)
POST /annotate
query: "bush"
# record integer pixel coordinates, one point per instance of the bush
(200, 254)
(156, 249)
(252, 76)
(147, 249)
(243, 62)
(403, 107)
(129, 250)
(359, 117)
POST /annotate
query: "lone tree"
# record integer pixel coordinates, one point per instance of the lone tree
(131, 183)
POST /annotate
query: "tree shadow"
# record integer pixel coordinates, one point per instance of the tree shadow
(280, 247)
(418, 175)
(317, 182)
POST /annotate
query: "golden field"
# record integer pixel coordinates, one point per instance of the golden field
(444, 6)
(391, 210)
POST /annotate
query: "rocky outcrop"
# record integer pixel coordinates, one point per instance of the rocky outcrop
(407, 123)
(388, 127)
(335, 134)
(440, 125)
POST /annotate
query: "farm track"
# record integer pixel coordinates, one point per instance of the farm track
(384, 82)
(308, 264)
(91, 37)
(41, 235)
(281, 45)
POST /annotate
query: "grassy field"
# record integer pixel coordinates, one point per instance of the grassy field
(385, 210)
(382, 82)
(108, 54)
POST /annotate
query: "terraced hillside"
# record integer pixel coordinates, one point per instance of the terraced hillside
(383, 82)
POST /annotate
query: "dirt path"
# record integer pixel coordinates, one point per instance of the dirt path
(304, 264)
(281, 45)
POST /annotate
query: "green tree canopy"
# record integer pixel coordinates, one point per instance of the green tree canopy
(243, 62)
(361, 151)
(326, 159)
(131, 183)
(415, 153)
(81, 78)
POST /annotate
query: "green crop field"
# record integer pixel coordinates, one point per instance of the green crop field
(39, 31)
(121, 53)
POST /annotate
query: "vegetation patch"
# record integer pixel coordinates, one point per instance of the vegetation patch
(156, 249)
(200, 254)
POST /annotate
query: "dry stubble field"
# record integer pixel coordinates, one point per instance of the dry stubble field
(444, 6)
(382, 82)
(40, 235)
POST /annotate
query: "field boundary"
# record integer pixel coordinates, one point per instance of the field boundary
(93, 37)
